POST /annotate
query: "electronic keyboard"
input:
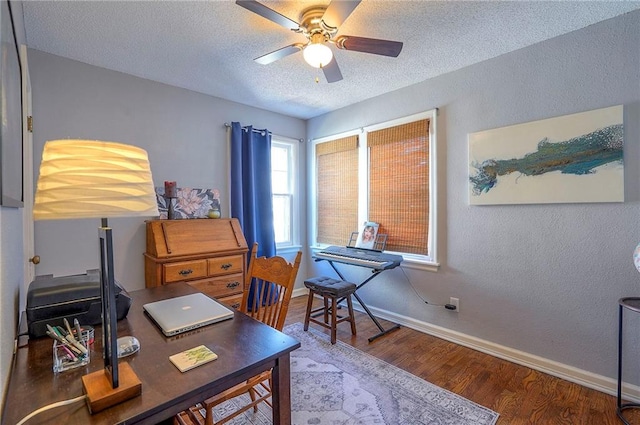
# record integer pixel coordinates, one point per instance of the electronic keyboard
(359, 257)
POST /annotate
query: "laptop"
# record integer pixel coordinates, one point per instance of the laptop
(181, 314)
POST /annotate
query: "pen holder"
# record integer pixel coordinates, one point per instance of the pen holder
(66, 356)
(88, 334)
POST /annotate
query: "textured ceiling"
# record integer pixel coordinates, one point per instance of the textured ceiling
(209, 46)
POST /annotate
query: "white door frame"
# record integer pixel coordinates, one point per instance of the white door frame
(27, 176)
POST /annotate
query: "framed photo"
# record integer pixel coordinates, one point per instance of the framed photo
(367, 237)
(11, 154)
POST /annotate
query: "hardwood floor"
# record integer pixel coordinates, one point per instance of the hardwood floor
(519, 394)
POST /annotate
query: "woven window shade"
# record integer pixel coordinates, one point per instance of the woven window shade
(337, 199)
(399, 185)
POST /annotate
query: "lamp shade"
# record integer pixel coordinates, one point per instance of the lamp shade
(93, 179)
(317, 55)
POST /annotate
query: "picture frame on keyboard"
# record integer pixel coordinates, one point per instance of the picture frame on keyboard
(367, 237)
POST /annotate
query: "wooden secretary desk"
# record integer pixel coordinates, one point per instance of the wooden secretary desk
(208, 254)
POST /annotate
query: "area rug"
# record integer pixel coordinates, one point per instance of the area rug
(340, 385)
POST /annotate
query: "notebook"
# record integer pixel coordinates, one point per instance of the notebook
(181, 314)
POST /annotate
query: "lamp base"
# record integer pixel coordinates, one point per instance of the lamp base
(100, 395)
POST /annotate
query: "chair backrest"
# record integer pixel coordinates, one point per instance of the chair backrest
(268, 287)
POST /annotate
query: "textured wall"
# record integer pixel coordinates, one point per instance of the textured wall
(543, 279)
(182, 131)
(11, 277)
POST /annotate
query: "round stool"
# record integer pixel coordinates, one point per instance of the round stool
(334, 290)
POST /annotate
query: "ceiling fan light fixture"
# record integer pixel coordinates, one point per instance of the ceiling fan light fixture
(319, 24)
(317, 55)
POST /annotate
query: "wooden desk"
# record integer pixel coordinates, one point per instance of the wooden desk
(210, 255)
(245, 348)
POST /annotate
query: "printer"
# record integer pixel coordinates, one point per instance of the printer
(52, 299)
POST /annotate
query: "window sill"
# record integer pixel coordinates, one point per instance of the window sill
(429, 266)
(291, 249)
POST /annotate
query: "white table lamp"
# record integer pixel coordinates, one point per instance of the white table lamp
(96, 179)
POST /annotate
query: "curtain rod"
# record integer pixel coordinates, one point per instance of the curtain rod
(262, 132)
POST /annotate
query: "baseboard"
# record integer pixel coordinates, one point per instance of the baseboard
(582, 377)
(300, 292)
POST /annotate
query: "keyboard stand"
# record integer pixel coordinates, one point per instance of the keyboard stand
(374, 273)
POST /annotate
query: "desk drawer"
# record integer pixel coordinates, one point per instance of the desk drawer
(222, 286)
(185, 270)
(233, 301)
(225, 265)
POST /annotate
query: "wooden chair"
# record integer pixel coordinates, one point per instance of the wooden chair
(273, 280)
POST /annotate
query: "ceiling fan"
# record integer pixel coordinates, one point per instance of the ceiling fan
(319, 24)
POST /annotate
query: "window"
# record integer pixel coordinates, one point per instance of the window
(283, 156)
(384, 173)
(337, 194)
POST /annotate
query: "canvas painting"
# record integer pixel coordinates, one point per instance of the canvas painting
(189, 203)
(568, 159)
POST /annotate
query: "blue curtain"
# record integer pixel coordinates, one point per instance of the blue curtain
(251, 197)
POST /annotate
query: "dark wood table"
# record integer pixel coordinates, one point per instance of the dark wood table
(245, 347)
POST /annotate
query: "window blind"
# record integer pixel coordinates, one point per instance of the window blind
(337, 190)
(399, 185)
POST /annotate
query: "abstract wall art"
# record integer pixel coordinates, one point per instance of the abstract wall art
(568, 159)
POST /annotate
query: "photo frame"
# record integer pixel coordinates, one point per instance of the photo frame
(367, 237)
(11, 145)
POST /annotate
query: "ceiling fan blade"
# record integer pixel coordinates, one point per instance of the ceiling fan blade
(338, 11)
(369, 45)
(332, 71)
(268, 13)
(279, 54)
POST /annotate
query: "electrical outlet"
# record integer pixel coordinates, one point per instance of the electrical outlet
(456, 302)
